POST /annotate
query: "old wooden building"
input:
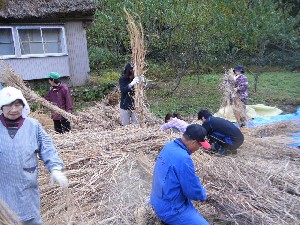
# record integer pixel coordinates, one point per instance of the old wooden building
(38, 37)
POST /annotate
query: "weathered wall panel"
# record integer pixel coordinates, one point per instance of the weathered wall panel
(78, 54)
(38, 68)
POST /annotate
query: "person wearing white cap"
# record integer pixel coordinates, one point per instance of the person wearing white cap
(22, 140)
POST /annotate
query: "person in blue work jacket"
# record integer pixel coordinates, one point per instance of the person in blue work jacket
(223, 133)
(175, 182)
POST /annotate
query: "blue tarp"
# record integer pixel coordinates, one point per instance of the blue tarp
(259, 121)
(267, 120)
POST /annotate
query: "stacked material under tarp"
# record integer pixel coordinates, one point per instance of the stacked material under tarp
(253, 111)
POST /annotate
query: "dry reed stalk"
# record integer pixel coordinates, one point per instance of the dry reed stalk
(231, 99)
(11, 78)
(7, 217)
(138, 59)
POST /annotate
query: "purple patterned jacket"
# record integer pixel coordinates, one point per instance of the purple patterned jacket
(61, 97)
(241, 84)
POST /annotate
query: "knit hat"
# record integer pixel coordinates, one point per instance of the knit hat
(11, 94)
(239, 68)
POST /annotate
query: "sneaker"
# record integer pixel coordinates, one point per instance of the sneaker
(222, 152)
(234, 151)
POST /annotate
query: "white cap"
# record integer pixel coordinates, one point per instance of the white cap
(11, 94)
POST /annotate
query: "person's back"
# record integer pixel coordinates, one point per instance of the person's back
(223, 133)
(223, 126)
(171, 121)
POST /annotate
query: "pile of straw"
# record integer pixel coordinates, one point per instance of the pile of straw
(138, 60)
(231, 98)
(110, 174)
(110, 170)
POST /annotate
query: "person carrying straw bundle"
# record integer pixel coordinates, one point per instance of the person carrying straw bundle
(127, 84)
(23, 140)
(241, 88)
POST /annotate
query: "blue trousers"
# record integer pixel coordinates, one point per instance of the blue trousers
(190, 216)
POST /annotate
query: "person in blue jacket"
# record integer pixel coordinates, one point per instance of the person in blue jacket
(223, 133)
(175, 183)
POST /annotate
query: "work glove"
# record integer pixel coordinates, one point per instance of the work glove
(142, 78)
(134, 81)
(58, 177)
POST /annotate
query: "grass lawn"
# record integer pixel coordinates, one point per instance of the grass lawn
(280, 89)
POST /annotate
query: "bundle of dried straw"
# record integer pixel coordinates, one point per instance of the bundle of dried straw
(138, 59)
(231, 98)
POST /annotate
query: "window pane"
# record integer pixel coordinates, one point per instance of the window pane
(52, 34)
(6, 42)
(52, 48)
(7, 49)
(36, 48)
(52, 38)
(23, 35)
(25, 49)
(31, 41)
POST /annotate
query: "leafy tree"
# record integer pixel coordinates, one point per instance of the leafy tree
(195, 34)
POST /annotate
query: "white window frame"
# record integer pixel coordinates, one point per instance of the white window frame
(64, 47)
(14, 43)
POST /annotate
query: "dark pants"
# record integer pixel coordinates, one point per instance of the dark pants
(62, 126)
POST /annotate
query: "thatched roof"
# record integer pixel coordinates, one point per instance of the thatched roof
(14, 10)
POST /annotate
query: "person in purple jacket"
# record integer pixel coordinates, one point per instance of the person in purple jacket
(241, 88)
(59, 95)
(241, 84)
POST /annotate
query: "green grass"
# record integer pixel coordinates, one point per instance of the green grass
(280, 89)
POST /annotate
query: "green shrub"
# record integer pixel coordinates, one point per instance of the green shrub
(101, 86)
(101, 58)
(109, 77)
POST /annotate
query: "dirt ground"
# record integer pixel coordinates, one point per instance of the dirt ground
(110, 173)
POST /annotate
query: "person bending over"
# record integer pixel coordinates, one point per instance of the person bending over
(223, 133)
(175, 183)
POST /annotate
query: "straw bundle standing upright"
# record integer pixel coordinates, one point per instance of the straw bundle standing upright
(138, 60)
(231, 99)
